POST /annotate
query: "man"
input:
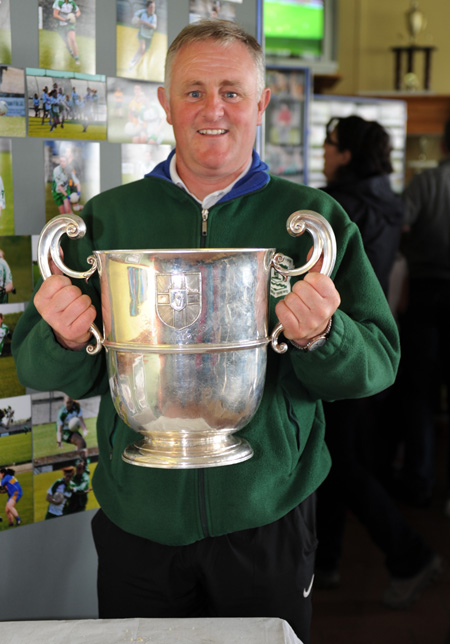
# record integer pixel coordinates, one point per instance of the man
(426, 246)
(236, 540)
(70, 419)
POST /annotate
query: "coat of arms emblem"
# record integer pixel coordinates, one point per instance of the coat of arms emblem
(178, 298)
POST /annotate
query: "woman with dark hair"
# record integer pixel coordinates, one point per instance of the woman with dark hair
(357, 167)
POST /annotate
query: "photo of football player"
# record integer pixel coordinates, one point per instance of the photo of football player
(66, 13)
(141, 37)
(79, 488)
(2, 196)
(70, 420)
(6, 279)
(11, 486)
(4, 333)
(147, 22)
(58, 493)
(67, 35)
(64, 180)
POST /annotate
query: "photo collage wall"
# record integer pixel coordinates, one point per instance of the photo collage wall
(48, 445)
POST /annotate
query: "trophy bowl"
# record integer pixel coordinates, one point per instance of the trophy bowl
(186, 335)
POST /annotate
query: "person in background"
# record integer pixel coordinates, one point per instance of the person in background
(66, 13)
(11, 486)
(4, 333)
(59, 493)
(237, 540)
(424, 326)
(70, 420)
(6, 279)
(146, 20)
(357, 168)
(80, 488)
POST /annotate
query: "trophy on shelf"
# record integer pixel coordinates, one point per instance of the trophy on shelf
(416, 23)
(185, 336)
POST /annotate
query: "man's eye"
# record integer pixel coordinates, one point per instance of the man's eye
(231, 94)
(194, 93)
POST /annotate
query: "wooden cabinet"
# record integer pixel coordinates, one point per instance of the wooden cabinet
(427, 113)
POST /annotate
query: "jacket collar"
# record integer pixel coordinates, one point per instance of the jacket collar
(256, 178)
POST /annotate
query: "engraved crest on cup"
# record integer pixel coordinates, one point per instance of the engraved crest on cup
(178, 298)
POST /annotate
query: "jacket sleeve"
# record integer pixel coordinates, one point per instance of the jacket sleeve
(362, 353)
(41, 362)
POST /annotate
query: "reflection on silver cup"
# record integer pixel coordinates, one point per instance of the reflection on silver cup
(185, 334)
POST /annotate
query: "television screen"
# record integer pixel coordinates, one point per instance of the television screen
(294, 28)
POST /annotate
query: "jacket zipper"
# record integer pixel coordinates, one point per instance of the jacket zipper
(201, 472)
(205, 215)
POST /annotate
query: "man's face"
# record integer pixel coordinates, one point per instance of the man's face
(214, 109)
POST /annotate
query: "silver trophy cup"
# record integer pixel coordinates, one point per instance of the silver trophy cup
(186, 334)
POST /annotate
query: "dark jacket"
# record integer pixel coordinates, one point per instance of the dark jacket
(378, 212)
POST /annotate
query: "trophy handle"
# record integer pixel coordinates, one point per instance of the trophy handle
(324, 243)
(48, 245)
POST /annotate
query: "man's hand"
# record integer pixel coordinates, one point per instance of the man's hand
(306, 311)
(67, 310)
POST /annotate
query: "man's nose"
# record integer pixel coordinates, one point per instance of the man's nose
(213, 107)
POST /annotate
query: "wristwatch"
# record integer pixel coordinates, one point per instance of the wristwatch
(317, 342)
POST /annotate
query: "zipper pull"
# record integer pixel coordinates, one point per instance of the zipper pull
(205, 214)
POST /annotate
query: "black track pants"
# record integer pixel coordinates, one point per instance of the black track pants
(260, 572)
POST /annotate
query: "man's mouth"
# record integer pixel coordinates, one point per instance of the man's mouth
(212, 132)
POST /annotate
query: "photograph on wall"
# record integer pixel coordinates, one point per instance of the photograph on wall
(135, 114)
(65, 454)
(65, 105)
(67, 35)
(9, 381)
(72, 176)
(6, 189)
(5, 32)
(15, 269)
(211, 9)
(12, 101)
(16, 470)
(141, 39)
(139, 159)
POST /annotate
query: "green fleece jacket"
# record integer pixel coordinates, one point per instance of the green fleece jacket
(290, 458)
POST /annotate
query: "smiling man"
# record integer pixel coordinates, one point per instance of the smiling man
(236, 540)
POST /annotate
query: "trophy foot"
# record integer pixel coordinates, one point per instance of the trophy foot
(188, 453)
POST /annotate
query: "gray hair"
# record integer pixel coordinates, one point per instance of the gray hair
(225, 32)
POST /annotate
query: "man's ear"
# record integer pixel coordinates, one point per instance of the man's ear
(262, 104)
(162, 98)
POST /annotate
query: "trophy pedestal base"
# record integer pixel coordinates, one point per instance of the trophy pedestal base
(188, 453)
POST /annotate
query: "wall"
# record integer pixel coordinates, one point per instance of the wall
(368, 30)
(48, 569)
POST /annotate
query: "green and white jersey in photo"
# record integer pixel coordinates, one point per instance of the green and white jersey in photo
(65, 8)
(3, 333)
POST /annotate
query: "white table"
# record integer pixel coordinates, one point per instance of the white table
(257, 630)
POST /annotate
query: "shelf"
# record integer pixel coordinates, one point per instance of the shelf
(427, 113)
